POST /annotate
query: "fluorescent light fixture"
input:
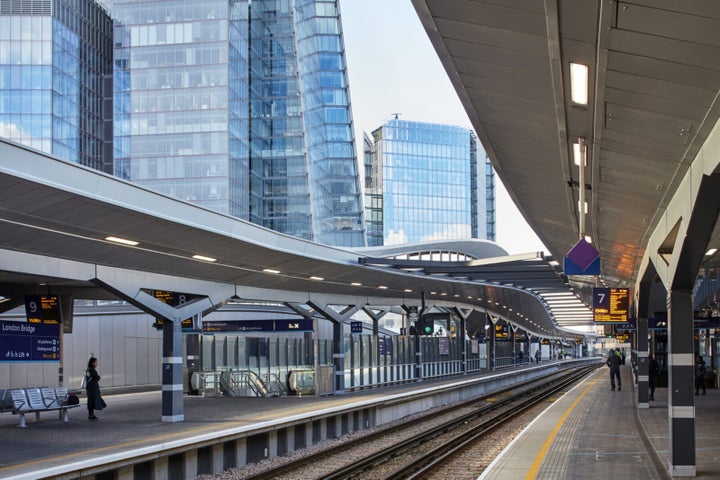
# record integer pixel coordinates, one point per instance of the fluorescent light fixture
(319, 279)
(433, 293)
(586, 208)
(356, 284)
(588, 238)
(407, 290)
(122, 241)
(711, 252)
(577, 153)
(204, 258)
(457, 295)
(270, 270)
(579, 83)
(443, 294)
(382, 287)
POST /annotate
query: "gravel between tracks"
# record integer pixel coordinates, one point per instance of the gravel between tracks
(470, 466)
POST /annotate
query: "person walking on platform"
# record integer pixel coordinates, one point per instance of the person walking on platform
(94, 400)
(699, 375)
(653, 374)
(613, 361)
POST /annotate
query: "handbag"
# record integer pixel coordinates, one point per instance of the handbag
(83, 382)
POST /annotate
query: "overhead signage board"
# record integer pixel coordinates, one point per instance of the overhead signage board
(611, 305)
(174, 299)
(43, 309)
(29, 342)
(501, 332)
(250, 326)
(356, 327)
(186, 325)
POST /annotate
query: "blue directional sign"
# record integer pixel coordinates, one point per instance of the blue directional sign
(29, 342)
(385, 346)
(356, 327)
(250, 326)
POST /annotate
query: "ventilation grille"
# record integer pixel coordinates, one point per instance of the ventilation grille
(25, 7)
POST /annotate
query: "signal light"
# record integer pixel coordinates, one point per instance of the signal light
(425, 325)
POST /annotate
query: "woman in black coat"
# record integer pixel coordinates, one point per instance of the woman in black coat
(94, 400)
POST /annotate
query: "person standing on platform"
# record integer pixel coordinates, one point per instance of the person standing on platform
(613, 361)
(699, 375)
(538, 356)
(653, 374)
(94, 400)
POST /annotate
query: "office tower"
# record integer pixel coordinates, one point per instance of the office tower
(426, 181)
(56, 78)
(241, 107)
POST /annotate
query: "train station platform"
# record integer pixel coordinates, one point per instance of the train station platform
(129, 441)
(592, 432)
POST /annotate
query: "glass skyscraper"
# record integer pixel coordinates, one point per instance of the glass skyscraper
(426, 181)
(56, 78)
(241, 107)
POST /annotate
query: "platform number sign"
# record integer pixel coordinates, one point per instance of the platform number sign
(611, 305)
(43, 309)
(174, 299)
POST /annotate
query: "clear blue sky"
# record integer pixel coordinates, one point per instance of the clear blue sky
(393, 69)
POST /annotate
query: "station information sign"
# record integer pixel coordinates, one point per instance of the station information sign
(29, 342)
(611, 305)
(43, 309)
(174, 299)
(250, 326)
(501, 332)
(185, 325)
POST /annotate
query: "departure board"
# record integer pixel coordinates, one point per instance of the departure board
(610, 305)
(501, 332)
(43, 309)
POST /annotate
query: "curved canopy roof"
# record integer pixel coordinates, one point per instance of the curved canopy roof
(56, 216)
(653, 80)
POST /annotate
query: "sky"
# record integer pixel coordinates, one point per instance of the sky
(393, 68)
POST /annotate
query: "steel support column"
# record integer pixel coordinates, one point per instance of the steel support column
(172, 383)
(681, 401)
(643, 363)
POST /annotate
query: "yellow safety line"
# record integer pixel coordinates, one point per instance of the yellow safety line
(535, 467)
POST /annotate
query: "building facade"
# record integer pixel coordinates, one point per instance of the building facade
(241, 107)
(426, 181)
(56, 78)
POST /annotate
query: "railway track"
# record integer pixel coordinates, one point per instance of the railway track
(416, 448)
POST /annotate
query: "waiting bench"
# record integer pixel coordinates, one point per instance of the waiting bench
(37, 400)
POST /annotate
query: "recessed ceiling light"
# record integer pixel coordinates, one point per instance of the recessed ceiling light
(319, 279)
(382, 287)
(122, 241)
(204, 258)
(356, 284)
(712, 251)
(270, 270)
(579, 83)
(408, 290)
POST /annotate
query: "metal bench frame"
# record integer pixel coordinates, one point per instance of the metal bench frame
(39, 399)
